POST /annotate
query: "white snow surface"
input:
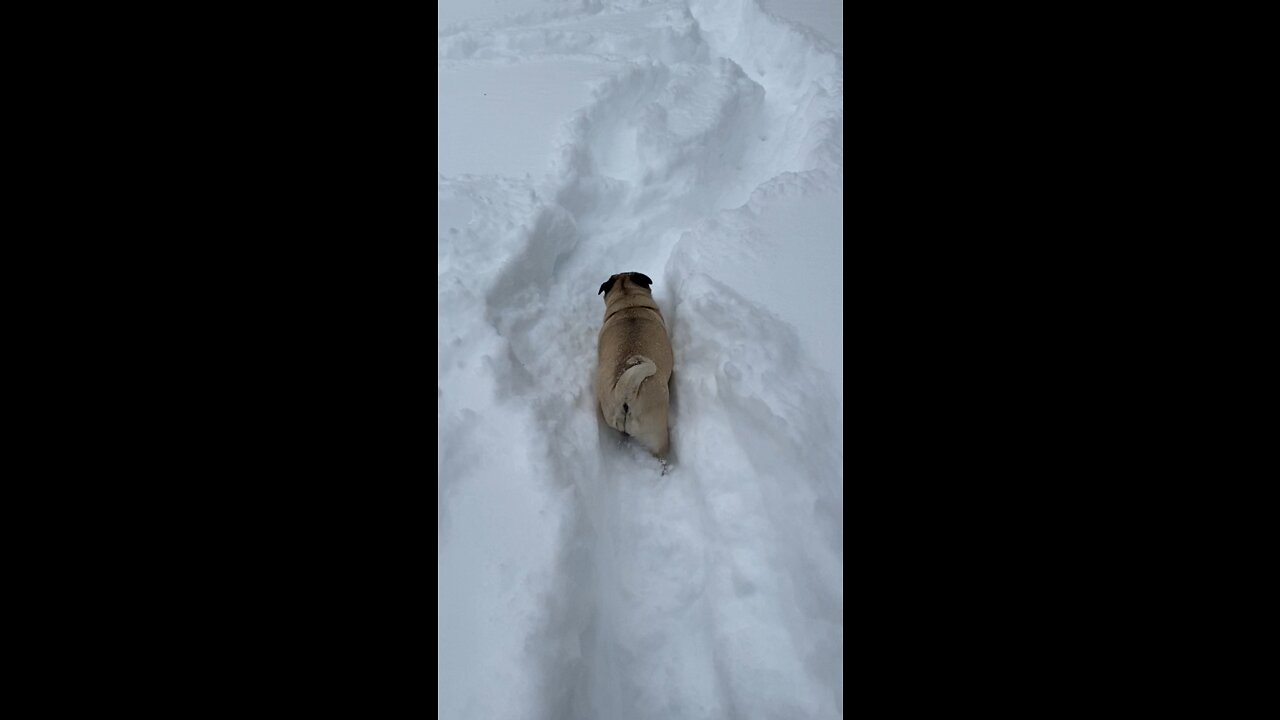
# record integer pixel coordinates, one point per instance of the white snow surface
(701, 143)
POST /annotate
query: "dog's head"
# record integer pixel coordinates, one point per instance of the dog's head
(625, 281)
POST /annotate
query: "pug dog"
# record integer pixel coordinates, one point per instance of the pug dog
(634, 362)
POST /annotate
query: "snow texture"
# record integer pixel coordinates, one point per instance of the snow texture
(702, 144)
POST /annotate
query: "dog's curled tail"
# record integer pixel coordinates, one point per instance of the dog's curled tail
(625, 390)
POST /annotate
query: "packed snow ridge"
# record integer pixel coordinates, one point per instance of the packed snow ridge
(700, 143)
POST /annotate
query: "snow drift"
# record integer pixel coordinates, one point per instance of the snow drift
(700, 144)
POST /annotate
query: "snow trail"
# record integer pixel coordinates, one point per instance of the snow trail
(575, 580)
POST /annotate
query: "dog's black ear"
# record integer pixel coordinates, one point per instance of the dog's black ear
(641, 279)
(604, 287)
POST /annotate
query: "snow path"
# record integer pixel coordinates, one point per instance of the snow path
(574, 580)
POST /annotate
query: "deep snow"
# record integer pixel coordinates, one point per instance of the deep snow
(702, 144)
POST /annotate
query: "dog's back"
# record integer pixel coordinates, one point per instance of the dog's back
(635, 362)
